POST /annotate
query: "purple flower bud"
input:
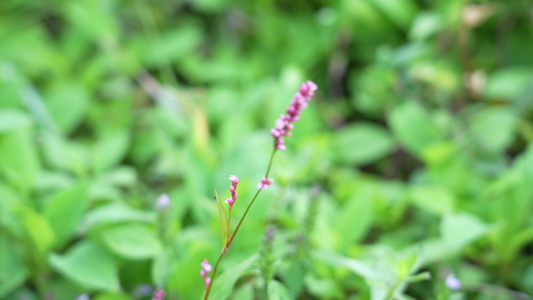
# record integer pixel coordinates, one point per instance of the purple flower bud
(163, 201)
(83, 297)
(452, 282)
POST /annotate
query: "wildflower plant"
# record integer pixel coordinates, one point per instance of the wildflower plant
(282, 128)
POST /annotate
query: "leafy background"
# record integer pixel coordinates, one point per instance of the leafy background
(414, 159)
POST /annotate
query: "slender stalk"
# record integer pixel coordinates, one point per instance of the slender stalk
(229, 223)
(224, 251)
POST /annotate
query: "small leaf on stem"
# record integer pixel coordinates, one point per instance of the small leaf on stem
(223, 220)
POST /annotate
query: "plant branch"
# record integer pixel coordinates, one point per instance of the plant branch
(224, 251)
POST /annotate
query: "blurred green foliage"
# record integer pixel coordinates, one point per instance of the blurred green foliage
(421, 139)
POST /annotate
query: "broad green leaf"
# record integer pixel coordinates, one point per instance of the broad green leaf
(508, 84)
(223, 220)
(413, 127)
(13, 120)
(9, 220)
(172, 46)
(355, 217)
(361, 144)
(361, 268)
(65, 210)
(459, 230)
(88, 264)
(110, 150)
(116, 212)
(400, 12)
(223, 284)
(13, 272)
(19, 162)
(68, 104)
(133, 241)
(277, 291)
(38, 229)
(493, 129)
(425, 25)
(162, 268)
(323, 288)
(433, 199)
(244, 292)
(93, 20)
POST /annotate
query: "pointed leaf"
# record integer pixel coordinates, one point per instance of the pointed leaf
(88, 264)
(133, 241)
(223, 220)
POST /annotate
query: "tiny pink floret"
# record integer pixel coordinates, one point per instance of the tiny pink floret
(206, 269)
(284, 124)
(234, 179)
(265, 183)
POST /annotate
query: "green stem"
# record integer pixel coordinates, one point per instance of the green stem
(224, 251)
(229, 223)
(390, 294)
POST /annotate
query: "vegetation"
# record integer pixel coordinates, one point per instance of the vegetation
(408, 176)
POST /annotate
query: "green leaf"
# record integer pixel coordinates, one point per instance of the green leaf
(361, 268)
(116, 212)
(162, 268)
(133, 241)
(65, 210)
(38, 229)
(223, 220)
(323, 288)
(88, 264)
(413, 127)
(19, 163)
(459, 230)
(70, 96)
(361, 144)
(508, 84)
(400, 12)
(493, 129)
(172, 46)
(110, 150)
(13, 120)
(355, 217)
(13, 272)
(277, 291)
(433, 199)
(223, 284)
(425, 25)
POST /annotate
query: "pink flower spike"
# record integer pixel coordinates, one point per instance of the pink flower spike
(284, 124)
(265, 183)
